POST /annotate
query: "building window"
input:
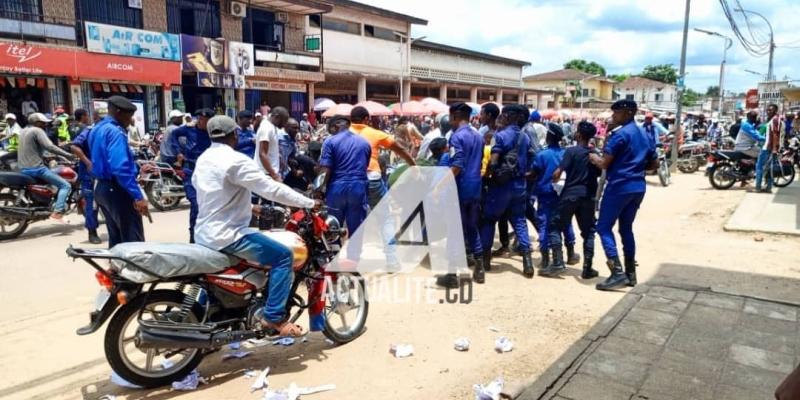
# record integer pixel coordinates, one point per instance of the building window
(629, 97)
(194, 17)
(314, 21)
(379, 33)
(111, 12)
(585, 93)
(261, 29)
(339, 25)
(659, 97)
(594, 92)
(25, 10)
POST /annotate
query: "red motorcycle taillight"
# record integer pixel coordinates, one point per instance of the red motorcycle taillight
(104, 280)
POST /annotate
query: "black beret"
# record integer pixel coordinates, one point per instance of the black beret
(438, 144)
(587, 129)
(205, 112)
(121, 103)
(517, 109)
(554, 129)
(336, 118)
(461, 107)
(624, 105)
(245, 114)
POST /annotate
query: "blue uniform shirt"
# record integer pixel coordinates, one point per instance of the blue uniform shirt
(632, 151)
(82, 141)
(347, 156)
(466, 153)
(507, 139)
(196, 142)
(247, 144)
(112, 158)
(545, 164)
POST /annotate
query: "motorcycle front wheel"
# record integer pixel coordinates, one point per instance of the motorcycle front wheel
(785, 177)
(150, 367)
(721, 176)
(346, 308)
(154, 191)
(663, 173)
(688, 165)
(10, 227)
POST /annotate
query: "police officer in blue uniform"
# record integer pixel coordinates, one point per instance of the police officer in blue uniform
(187, 143)
(80, 148)
(627, 154)
(344, 161)
(508, 195)
(247, 136)
(114, 167)
(466, 155)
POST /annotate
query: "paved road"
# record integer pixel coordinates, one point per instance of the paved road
(46, 296)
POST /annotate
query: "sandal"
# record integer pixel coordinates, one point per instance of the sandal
(283, 328)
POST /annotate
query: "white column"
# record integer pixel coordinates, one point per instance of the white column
(362, 89)
(473, 94)
(166, 103)
(311, 96)
(499, 96)
(443, 93)
(538, 104)
(75, 98)
(521, 98)
(406, 91)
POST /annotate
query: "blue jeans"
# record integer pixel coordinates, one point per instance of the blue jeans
(347, 201)
(260, 249)
(622, 207)
(498, 200)
(375, 192)
(548, 206)
(761, 165)
(52, 178)
(87, 193)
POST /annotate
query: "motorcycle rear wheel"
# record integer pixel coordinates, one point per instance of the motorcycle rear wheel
(154, 190)
(10, 228)
(349, 293)
(721, 176)
(688, 166)
(116, 341)
(663, 173)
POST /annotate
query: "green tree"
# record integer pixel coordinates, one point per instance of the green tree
(690, 97)
(590, 67)
(663, 73)
(712, 91)
(620, 78)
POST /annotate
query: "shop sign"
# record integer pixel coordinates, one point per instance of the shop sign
(118, 40)
(276, 86)
(18, 58)
(224, 81)
(284, 58)
(199, 54)
(290, 74)
(751, 101)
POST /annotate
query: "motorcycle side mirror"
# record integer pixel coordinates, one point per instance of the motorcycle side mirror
(318, 181)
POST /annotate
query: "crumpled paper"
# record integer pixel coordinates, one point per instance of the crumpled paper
(503, 345)
(284, 341)
(120, 381)
(461, 344)
(293, 392)
(235, 345)
(190, 382)
(236, 354)
(489, 392)
(258, 342)
(401, 350)
(261, 381)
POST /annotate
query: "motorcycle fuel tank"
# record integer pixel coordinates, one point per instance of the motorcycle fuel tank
(292, 241)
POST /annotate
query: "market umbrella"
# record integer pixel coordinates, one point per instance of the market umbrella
(549, 114)
(435, 105)
(375, 108)
(339, 109)
(410, 108)
(323, 103)
(476, 108)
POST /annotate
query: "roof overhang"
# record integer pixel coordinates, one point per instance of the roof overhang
(303, 7)
(791, 93)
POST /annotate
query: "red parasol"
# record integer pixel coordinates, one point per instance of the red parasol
(375, 108)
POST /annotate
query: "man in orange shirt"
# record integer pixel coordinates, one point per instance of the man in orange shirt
(377, 188)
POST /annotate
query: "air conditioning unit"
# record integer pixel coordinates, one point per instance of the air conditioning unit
(282, 17)
(238, 9)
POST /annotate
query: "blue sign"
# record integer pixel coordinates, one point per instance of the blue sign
(121, 41)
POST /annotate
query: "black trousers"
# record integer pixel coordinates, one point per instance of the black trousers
(583, 210)
(124, 224)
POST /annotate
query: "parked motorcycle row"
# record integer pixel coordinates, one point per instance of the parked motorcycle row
(726, 168)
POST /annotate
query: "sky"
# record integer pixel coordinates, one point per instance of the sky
(622, 35)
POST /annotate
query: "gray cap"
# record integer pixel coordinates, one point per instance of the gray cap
(121, 103)
(38, 117)
(220, 125)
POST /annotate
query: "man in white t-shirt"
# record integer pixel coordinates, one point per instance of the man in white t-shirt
(267, 154)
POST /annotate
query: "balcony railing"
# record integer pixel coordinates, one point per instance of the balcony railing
(23, 24)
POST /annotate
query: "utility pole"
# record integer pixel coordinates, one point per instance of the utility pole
(728, 44)
(681, 88)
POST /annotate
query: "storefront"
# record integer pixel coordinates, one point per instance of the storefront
(292, 89)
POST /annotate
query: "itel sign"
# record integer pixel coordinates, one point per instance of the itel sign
(74, 63)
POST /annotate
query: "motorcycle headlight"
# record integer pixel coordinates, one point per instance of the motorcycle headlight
(334, 231)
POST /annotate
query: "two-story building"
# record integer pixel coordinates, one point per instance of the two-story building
(649, 94)
(578, 88)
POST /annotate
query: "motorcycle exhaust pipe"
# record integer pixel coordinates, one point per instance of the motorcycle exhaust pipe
(16, 212)
(151, 338)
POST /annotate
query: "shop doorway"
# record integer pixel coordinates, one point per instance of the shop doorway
(14, 93)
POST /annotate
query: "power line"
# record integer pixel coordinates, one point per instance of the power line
(752, 45)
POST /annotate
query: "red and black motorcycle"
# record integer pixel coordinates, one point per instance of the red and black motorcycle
(24, 200)
(172, 304)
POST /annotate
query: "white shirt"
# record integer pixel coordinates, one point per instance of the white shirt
(224, 179)
(29, 107)
(541, 132)
(424, 148)
(267, 132)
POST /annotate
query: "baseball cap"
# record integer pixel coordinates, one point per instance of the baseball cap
(10, 115)
(220, 125)
(59, 109)
(175, 114)
(38, 117)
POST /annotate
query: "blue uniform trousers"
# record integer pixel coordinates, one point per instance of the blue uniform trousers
(622, 208)
(583, 210)
(498, 200)
(87, 194)
(124, 224)
(191, 195)
(548, 204)
(470, 217)
(347, 201)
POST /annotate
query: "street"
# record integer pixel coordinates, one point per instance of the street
(46, 297)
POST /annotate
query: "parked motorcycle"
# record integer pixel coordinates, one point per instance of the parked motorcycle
(162, 184)
(663, 167)
(728, 167)
(692, 156)
(24, 200)
(172, 304)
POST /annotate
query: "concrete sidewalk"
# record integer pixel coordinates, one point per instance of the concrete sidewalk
(778, 212)
(667, 342)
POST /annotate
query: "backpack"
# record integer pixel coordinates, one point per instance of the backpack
(508, 166)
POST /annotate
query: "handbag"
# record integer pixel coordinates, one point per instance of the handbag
(508, 166)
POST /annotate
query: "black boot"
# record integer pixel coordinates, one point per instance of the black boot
(503, 251)
(630, 271)
(556, 266)
(448, 281)
(487, 260)
(617, 279)
(573, 258)
(588, 271)
(478, 274)
(545, 258)
(470, 260)
(527, 264)
(93, 238)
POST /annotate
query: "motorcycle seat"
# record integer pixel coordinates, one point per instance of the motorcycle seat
(735, 155)
(15, 180)
(166, 260)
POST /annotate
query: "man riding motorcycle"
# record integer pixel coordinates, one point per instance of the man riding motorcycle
(224, 179)
(749, 140)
